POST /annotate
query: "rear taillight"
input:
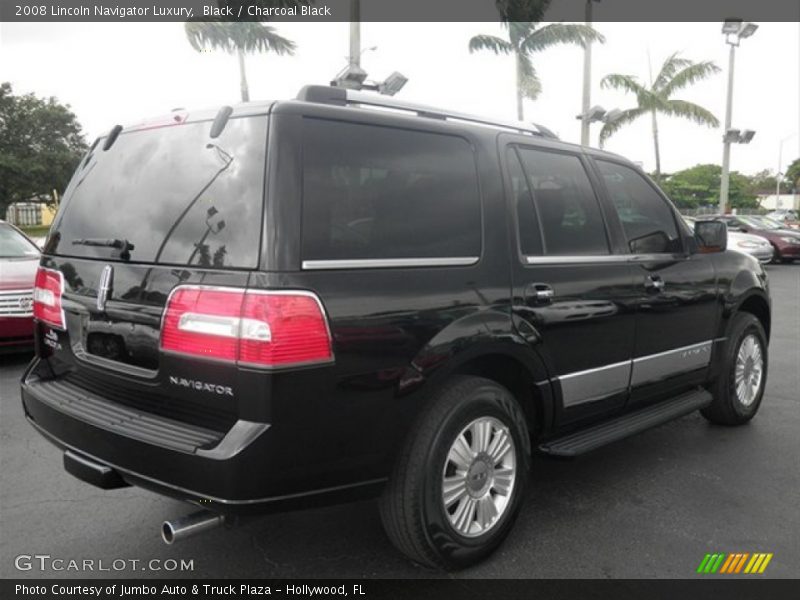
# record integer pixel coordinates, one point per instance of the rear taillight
(253, 327)
(47, 291)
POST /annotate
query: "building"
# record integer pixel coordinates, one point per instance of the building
(30, 214)
(785, 201)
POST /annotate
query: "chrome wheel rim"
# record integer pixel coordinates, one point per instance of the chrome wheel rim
(479, 476)
(749, 370)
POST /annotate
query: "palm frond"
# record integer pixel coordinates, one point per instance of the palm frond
(490, 42)
(690, 74)
(522, 10)
(668, 70)
(559, 33)
(518, 31)
(625, 118)
(529, 82)
(628, 83)
(691, 111)
(231, 37)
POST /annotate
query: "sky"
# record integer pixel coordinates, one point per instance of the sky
(122, 72)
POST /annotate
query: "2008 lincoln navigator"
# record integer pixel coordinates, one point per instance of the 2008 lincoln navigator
(289, 303)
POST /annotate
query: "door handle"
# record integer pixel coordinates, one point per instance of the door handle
(654, 283)
(539, 293)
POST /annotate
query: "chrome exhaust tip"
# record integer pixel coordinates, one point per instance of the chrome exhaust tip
(189, 525)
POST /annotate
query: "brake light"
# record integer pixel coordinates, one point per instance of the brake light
(47, 292)
(254, 327)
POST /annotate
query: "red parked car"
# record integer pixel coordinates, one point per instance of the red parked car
(19, 258)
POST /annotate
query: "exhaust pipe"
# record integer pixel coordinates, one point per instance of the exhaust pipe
(189, 525)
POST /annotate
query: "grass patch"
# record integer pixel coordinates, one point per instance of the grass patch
(38, 231)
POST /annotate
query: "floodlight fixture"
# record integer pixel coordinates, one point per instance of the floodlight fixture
(392, 84)
(731, 26)
(613, 115)
(746, 136)
(747, 30)
(731, 136)
(351, 77)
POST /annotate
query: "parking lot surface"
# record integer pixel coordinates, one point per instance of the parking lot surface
(649, 506)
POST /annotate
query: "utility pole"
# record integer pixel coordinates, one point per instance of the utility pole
(587, 79)
(355, 33)
(726, 142)
(734, 30)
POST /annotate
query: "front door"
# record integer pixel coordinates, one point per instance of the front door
(676, 305)
(572, 294)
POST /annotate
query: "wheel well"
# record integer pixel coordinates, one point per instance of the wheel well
(516, 378)
(758, 307)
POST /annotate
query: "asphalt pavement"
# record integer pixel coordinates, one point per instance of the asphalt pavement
(649, 506)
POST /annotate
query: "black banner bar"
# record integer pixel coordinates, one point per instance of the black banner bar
(395, 10)
(416, 589)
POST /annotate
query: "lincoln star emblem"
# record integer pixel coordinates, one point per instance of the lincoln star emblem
(106, 281)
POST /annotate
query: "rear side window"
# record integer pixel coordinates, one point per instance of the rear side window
(566, 206)
(648, 221)
(177, 195)
(530, 238)
(374, 192)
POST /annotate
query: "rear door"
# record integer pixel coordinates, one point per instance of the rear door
(572, 288)
(163, 205)
(676, 304)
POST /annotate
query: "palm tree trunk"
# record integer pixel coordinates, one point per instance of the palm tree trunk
(655, 142)
(243, 77)
(520, 112)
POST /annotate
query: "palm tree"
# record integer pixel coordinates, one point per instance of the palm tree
(527, 38)
(239, 38)
(676, 73)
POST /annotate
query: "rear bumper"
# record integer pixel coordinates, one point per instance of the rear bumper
(230, 472)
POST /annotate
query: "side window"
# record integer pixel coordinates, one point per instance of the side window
(647, 219)
(566, 206)
(530, 238)
(374, 192)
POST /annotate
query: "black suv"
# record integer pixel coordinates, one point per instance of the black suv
(290, 303)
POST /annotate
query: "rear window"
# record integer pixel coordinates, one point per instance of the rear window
(374, 192)
(178, 196)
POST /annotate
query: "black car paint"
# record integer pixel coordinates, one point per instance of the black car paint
(334, 430)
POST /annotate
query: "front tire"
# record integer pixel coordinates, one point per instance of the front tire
(459, 481)
(740, 385)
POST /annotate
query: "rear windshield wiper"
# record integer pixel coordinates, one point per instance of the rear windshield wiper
(123, 245)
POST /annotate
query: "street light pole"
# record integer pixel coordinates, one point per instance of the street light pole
(587, 79)
(735, 30)
(726, 144)
(355, 33)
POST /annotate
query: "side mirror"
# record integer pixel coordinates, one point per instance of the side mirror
(656, 242)
(712, 236)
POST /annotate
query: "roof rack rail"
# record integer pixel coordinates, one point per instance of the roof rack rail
(343, 97)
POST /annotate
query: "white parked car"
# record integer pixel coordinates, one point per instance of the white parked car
(754, 245)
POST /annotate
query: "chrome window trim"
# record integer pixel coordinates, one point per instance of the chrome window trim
(590, 259)
(387, 263)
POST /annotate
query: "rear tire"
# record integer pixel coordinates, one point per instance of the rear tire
(740, 385)
(458, 483)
